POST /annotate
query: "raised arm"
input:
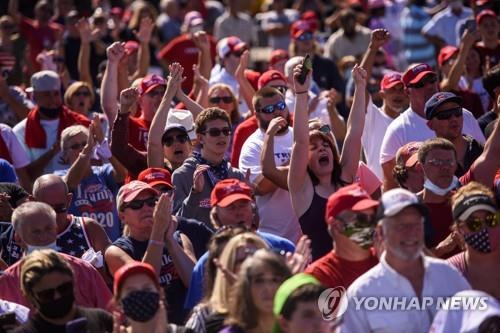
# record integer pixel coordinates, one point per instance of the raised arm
(488, 163)
(351, 151)
(200, 87)
(146, 27)
(109, 85)
(80, 167)
(202, 42)
(277, 175)
(13, 10)
(337, 122)
(298, 163)
(458, 67)
(83, 27)
(246, 89)
(155, 146)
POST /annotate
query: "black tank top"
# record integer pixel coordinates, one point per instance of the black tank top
(314, 226)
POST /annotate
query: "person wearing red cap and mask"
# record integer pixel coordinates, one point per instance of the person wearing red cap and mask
(276, 24)
(350, 216)
(421, 82)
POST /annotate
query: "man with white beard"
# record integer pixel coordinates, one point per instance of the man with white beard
(404, 272)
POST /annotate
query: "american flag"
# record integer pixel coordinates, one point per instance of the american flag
(7, 61)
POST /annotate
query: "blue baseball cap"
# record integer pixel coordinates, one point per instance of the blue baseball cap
(437, 99)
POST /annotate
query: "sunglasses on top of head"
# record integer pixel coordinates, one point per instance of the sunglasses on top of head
(217, 131)
(268, 109)
(431, 79)
(447, 114)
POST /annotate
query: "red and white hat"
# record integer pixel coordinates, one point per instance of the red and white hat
(150, 82)
(301, 26)
(269, 76)
(156, 176)
(416, 73)
(228, 191)
(485, 13)
(352, 197)
(230, 44)
(390, 80)
(130, 191)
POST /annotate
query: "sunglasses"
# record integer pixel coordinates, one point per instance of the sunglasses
(82, 93)
(62, 289)
(60, 208)
(77, 146)
(447, 114)
(440, 163)
(271, 108)
(305, 36)
(422, 83)
(138, 204)
(217, 100)
(475, 224)
(181, 138)
(325, 129)
(217, 131)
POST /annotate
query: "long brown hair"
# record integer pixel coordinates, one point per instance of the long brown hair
(337, 168)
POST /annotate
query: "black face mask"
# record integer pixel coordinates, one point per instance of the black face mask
(51, 113)
(57, 308)
(141, 305)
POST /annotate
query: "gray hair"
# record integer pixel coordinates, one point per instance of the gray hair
(45, 181)
(290, 65)
(72, 131)
(24, 213)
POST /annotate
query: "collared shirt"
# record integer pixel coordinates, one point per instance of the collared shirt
(440, 280)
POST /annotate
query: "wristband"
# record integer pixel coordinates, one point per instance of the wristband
(155, 242)
(301, 92)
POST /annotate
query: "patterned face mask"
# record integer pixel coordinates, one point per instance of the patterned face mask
(141, 305)
(486, 240)
(360, 230)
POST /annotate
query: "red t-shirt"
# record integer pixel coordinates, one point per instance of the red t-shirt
(138, 133)
(39, 37)
(243, 131)
(333, 271)
(183, 50)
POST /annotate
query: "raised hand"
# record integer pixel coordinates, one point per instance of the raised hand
(276, 125)
(198, 78)
(201, 41)
(128, 97)
(299, 260)
(98, 132)
(162, 217)
(470, 37)
(146, 27)
(379, 37)
(198, 177)
(115, 52)
(301, 87)
(175, 79)
(240, 70)
(85, 31)
(91, 142)
(228, 275)
(359, 76)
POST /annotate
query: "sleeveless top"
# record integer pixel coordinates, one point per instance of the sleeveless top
(74, 240)
(314, 226)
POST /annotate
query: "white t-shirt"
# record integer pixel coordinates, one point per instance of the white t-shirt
(376, 123)
(275, 209)
(17, 153)
(50, 127)
(409, 126)
(444, 24)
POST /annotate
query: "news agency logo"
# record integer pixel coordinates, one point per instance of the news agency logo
(333, 303)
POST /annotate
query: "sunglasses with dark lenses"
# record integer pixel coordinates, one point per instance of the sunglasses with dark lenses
(447, 114)
(82, 93)
(475, 223)
(271, 108)
(217, 100)
(62, 289)
(305, 36)
(181, 138)
(77, 146)
(60, 208)
(325, 129)
(431, 79)
(217, 131)
(138, 204)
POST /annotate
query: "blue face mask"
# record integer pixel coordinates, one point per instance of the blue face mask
(428, 184)
(141, 305)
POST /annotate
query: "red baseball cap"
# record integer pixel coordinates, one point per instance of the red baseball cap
(230, 44)
(268, 76)
(301, 26)
(390, 80)
(228, 191)
(150, 82)
(130, 191)
(156, 176)
(352, 197)
(278, 55)
(407, 155)
(130, 269)
(446, 53)
(415, 73)
(484, 13)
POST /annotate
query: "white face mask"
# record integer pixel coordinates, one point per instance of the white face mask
(51, 246)
(428, 184)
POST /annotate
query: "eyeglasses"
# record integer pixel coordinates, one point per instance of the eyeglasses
(271, 108)
(475, 223)
(282, 89)
(62, 289)
(305, 36)
(440, 163)
(426, 80)
(181, 138)
(82, 93)
(217, 100)
(325, 129)
(77, 146)
(60, 208)
(217, 131)
(138, 204)
(447, 114)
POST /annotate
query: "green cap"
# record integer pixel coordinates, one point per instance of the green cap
(286, 289)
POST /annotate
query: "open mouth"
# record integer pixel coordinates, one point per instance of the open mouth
(324, 160)
(221, 143)
(81, 104)
(178, 152)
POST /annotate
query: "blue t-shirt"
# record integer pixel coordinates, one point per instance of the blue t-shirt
(7, 172)
(195, 291)
(95, 197)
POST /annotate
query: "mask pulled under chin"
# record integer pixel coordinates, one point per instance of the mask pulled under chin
(51, 246)
(51, 113)
(428, 184)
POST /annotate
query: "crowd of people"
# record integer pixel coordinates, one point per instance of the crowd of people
(249, 166)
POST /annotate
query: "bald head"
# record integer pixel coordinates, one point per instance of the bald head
(46, 184)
